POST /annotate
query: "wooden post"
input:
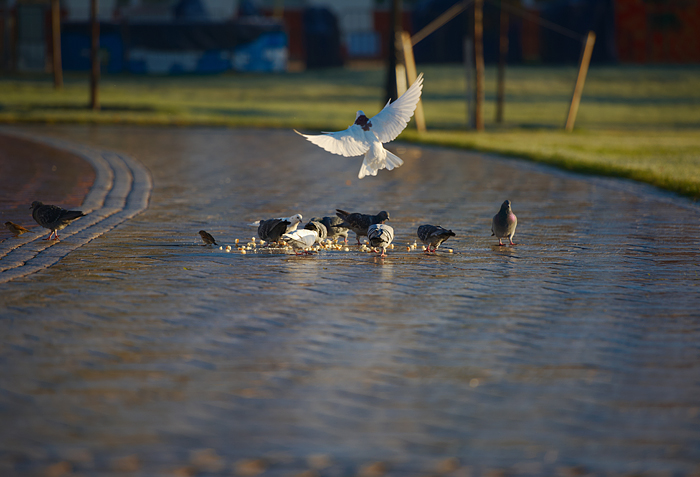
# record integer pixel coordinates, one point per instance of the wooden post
(502, 58)
(56, 39)
(412, 74)
(479, 63)
(95, 57)
(580, 80)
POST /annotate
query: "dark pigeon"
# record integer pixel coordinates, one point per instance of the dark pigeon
(359, 223)
(207, 238)
(333, 227)
(53, 217)
(271, 230)
(433, 236)
(319, 228)
(504, 223)
(380, 235)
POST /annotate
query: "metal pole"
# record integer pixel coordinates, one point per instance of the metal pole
(94, 56)
(580, 80)
(503, 56)
(56, 39)
(479, 63)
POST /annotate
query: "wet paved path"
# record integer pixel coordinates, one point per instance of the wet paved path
(575, 352)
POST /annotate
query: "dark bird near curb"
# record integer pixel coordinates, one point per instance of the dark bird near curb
(207, 238)
(359, 223)
(53, 217)
(16, 229)
(504, 223)
(433, 236)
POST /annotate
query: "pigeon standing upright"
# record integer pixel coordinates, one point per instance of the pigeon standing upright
(16, 229)
(433, 236)
(207, 238)
(380, 235)
(504, 223)
(359, 223)
(53, 217)
(333, 227)
(366, 135)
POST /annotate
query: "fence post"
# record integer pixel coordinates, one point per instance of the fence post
(580, 80)
(56, 40)
(503, 55)
(412, 74)
(479, 63)
(95, 57)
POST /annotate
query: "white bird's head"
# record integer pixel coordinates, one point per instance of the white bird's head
(359, 113)
(295, 219)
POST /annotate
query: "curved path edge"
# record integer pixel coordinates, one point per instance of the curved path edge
(121, 190)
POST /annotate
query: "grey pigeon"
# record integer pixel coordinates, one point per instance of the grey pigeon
(319, 228)
(433, 236)
(380, 235)
(53, 217)
(271, 230)
(301, 240)
(16, 229)
(359, 223)
(207, 238)
(504, 223)
(333, 227)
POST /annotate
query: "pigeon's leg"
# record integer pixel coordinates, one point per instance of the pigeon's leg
(383, 252)
(51, 235)
(511, 240)
(500, 243)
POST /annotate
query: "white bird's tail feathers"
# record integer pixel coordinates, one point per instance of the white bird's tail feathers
(378, 158)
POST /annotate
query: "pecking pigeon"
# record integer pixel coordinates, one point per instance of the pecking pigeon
(380, 235)
(504, 223)
(433, 236)
(53, 217)
(333, 226)
(319, 228)
(301, 240)
(271, 230)
(359, 223)
(366, 136)
(16, 229)
(207, 238)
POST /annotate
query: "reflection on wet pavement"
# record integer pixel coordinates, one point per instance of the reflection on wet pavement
(574, 352)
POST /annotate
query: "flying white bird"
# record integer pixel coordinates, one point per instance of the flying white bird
(366, 136)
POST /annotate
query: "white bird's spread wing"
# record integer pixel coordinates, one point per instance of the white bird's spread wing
(348, 143)
(391, 120)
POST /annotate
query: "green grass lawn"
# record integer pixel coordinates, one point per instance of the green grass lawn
(637, 122)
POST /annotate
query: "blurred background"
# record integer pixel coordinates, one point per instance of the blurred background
(175, 36)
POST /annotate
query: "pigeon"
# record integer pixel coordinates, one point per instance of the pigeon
(366, 136)
(271, 230)
(333, 227)
(16, 229)
(359, 223)
(319, 228)
(380, 235)
(294, 222)
(53, 217)
(433, 236)
(504, 223)
(207, 238)
(301, 240)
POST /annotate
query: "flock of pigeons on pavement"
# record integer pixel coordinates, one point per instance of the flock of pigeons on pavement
(365, 136)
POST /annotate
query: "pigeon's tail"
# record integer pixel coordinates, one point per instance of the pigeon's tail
(392, 160)
(72, 215)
